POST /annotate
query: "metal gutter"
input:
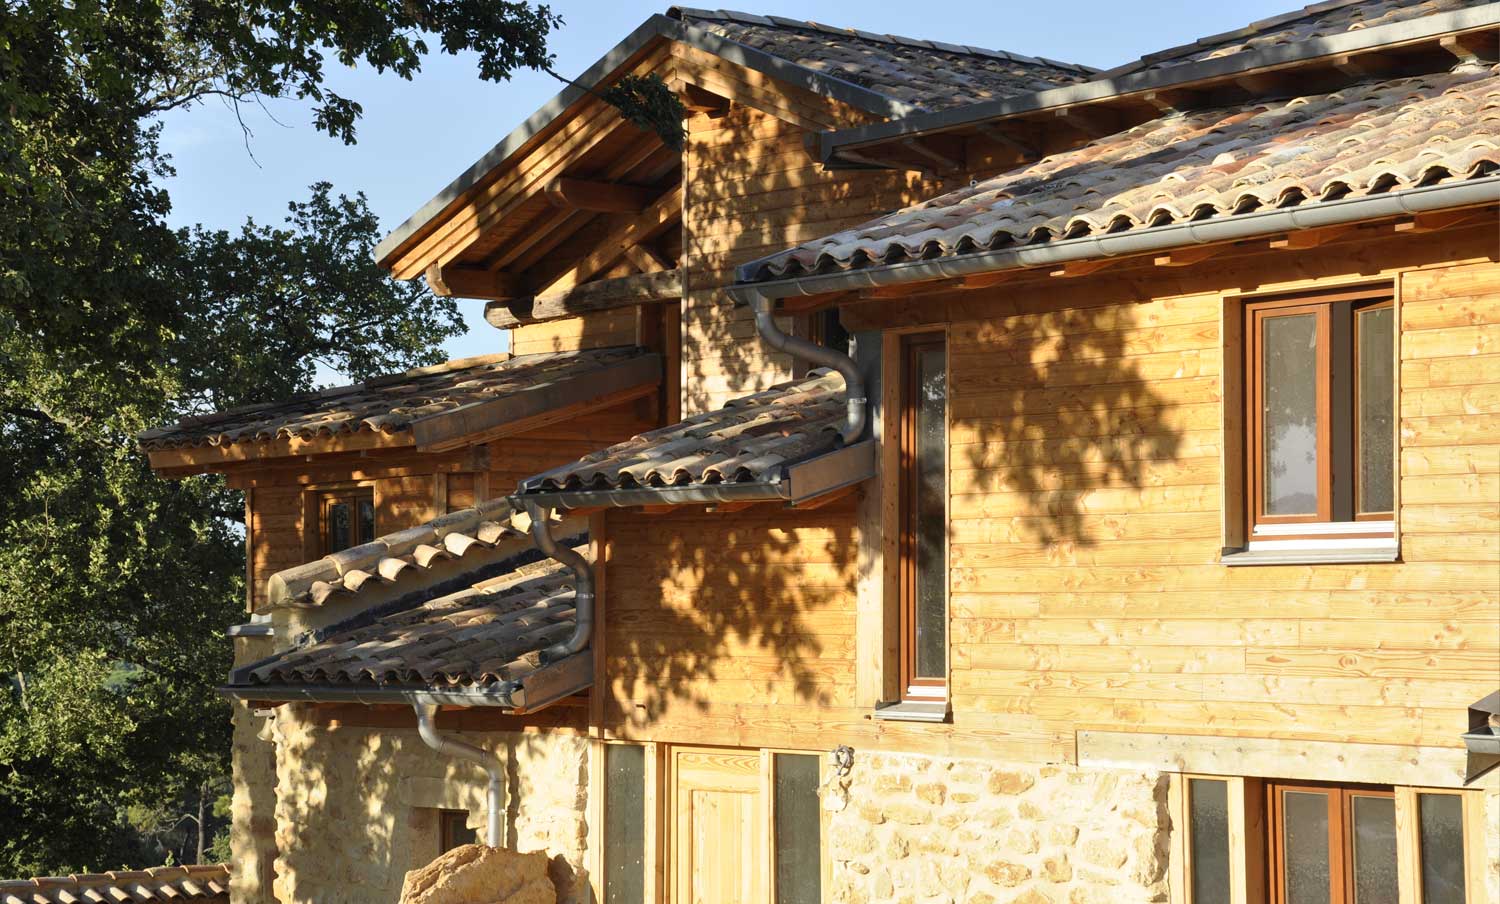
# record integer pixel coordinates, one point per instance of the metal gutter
(546, 685)
(1109, 87)
(426, 716)
(1236, 227)
(656, 26)
(796, 483)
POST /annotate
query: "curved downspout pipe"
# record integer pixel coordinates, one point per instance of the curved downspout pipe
(854, 382)
(426, 712)
(583, 583)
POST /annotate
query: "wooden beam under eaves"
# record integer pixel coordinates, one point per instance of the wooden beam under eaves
(644, 226)
(472, 282)
(600, 197)
(601, 295)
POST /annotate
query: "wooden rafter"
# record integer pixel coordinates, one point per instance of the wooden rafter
(601, 295)
(633, 230)
(472, 282)
(601, 197)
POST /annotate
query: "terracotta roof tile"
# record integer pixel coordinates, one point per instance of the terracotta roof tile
(387, 404)
(748, 439)
(1367, 139)
(490, 632)
(1317, 20)
(202, 884)
(929, 74)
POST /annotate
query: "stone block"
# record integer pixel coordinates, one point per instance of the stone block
(476, 874)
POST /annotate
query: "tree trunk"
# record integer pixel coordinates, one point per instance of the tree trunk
(202, 796)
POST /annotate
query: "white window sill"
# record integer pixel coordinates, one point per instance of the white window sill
(913, 711)
(1313, 555)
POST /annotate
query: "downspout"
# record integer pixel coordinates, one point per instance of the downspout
(854, 382)
(454, 748)
(583, 583)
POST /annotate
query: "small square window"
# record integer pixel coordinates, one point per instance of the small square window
(346, 518)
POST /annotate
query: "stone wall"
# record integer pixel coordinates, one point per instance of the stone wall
(921, 829)
(252, 823)
(351, 806)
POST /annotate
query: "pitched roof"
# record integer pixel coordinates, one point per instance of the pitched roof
(399, 560)
(931, 75)
(203, 884)
(404, 403)
(1371, 138)
(1317, 20)
(486, 635)
(749, 440)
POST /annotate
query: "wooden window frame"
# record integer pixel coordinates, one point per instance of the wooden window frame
(326, 498)
(655, 828)
(1334, 449)
(912, 687)
(445, 829)
(1340, 832)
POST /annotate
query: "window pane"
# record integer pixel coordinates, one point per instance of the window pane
(1289, 369)
(799, 855)
(1374, 850)
(366, 521)
(1304, 844)
(1442, 828)
(1209, 805)
(456, 831)
(1377, 386)
(624, 824)
(338, 526)
(931, 513)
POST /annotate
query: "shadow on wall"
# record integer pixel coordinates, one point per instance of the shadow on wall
(724, 610)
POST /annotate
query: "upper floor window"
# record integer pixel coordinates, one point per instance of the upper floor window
(1321, 436)
(924, 517)
(346, 518)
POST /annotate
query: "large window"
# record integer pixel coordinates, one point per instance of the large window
(1333, 844)
(924, 521)
(1321, 441)
(345, 518)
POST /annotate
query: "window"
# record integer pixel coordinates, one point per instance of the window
(797, 829)
(1321, 442)
(1208, 840)
(1332, 844)
(454, 831)
(624, 824)
(1440, 847)
(924, 522)
(346, 518)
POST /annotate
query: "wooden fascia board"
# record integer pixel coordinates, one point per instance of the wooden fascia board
(186, 460)
(527, 409)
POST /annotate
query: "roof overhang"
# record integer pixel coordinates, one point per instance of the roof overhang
(1477, 192)
(656, 28)
(541, 688)
(795, 485)
(1015, 120)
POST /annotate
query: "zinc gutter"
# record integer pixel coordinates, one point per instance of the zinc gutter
(1236, 227)
(1116, 86)
(336, 693)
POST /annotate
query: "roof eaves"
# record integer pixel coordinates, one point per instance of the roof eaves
(1116, 83)
(657, 26)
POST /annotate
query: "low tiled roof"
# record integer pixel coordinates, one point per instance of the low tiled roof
(1317, 20)
(491, 632)
(747, 440)
(931, 75)
(202, 884)
(392, 558)
(387, 405)
(1371, 138)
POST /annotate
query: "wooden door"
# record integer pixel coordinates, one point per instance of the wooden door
(718, 831)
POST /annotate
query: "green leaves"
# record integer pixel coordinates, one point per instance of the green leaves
(647, 102)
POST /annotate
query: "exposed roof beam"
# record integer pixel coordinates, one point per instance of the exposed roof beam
(925, 149)
(601, 295)
(472, 282)
(1478, 47)
(600, 197)
(698, 99)
(642, 227)
(646, 260)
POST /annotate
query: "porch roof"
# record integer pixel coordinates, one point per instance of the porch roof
(1373, 138)
(424, 406)
(203, 884)
(478, 645)
(751, 444)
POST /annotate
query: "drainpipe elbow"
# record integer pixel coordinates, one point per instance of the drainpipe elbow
(427, 729)
(583, 583)
(802, 349)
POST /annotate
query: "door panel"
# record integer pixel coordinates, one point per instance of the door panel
(718, 833)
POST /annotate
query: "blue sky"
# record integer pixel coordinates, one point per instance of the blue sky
(416, 136)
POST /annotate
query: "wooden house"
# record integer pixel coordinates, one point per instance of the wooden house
(1064, 486)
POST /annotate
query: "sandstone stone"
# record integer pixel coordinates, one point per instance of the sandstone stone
(1003, 872)
(1022, 841)
(1064, 835)
(476, 874)
(932, 793)
(1010, 782)
(890, 784)
(908, 814)
(1034, 896)
(1104, 852)
(1057, 869)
